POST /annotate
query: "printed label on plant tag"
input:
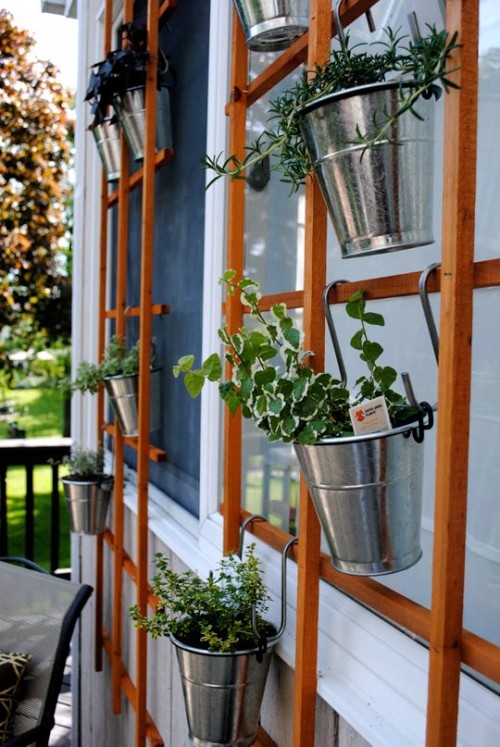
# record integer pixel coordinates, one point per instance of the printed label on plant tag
(370, 416)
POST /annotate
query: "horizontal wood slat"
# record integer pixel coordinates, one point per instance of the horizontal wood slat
(479, 654)
(155, 453)
(263, 739)
(296, 54)
(157, 310)
(486, 275)
(153, 735)
(166, 9)
(130, 568)
(135, 180)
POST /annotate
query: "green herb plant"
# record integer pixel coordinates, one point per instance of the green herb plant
(273, 383)
(118, 360)
(215, 614)
(420, 67)
(84, 464)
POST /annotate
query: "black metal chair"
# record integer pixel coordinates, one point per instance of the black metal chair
(38, 614)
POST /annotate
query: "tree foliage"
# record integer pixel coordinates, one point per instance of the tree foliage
(35, 142)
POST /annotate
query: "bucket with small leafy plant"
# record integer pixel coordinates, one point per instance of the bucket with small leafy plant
(222, 662)
(88, 491)
(367, 489)
(364, 123)
(119, 372)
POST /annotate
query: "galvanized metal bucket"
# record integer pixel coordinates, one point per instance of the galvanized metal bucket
(130, 110)
(107, 138)
(379, 199)
(367, 492)
(87, 502)
(123, 396)
(272, 25)
(223, 694)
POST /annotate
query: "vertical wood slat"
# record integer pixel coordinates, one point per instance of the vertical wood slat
(118, 507)
(119, 447)
(320, 19)
(454, 381)
(101, 338)
(237, 111)
(101, 332)
(146, 294)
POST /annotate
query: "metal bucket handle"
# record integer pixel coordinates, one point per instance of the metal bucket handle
(424, 409)
(340, 27)
(264, 642)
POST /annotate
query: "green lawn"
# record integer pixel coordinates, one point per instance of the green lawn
(40, 414)
(38, 411)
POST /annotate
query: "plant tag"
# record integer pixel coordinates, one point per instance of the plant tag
(370, 417)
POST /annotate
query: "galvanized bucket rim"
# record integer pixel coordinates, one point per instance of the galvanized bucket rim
(138, 88)
(118, 377)
(226, 654)
(364, 437)
(130, 376)
(345, 93)
(100, 480)
(106, 122)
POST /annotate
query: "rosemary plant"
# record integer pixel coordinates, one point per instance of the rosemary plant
(273, 383)
(420, 67)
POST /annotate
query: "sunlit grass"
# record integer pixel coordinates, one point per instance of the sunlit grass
(40, 414)
(37, 411)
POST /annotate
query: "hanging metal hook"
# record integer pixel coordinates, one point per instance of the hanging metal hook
(338, 23)
(263, 640)
(273, 639)
(426, 306)
(414, 27)
(421, 407)
(248, 520)
(164, 60)
(333, 333)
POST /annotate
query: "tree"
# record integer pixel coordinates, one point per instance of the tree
(35, 143)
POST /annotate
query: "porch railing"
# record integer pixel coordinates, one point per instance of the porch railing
(29, 453)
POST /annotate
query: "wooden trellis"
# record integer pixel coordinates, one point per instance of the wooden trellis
(441, 625)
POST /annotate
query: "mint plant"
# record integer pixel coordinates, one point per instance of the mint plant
(272, 381)
(215, 614)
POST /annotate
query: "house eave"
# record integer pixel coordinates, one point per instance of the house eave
(66, 8)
